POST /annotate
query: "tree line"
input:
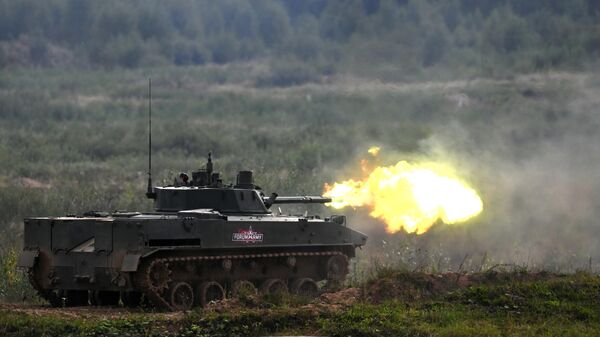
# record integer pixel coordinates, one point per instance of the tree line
(301, 38)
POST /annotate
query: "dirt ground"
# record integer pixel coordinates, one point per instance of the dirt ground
(83, 312)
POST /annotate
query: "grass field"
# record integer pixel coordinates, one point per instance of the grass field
(393, 304)
(83, 133)
(76, 141)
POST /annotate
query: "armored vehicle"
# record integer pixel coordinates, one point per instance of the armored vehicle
(205, 241)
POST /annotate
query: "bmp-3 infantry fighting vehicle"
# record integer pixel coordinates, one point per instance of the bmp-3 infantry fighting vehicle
(205, 241)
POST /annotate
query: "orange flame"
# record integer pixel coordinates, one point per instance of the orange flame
(409, 196)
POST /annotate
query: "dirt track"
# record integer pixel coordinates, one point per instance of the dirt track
(326, 302)
(84, 312)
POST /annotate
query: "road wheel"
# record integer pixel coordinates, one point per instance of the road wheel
(273, 286)
(181, 296)
(243, 288)
(337, 267)
(210, 291)
(305, 287)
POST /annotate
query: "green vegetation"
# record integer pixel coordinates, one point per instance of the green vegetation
(497, 305)
(303, 40)
(74, 141)
(505, 91)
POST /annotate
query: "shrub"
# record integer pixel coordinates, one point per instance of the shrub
(38, 51)
(289, 73)
(14, 285)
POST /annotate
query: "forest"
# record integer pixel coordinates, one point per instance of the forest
(303, 41)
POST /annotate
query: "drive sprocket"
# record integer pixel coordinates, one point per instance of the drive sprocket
(159, 276)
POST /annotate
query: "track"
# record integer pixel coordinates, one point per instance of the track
(157, 276)
(153, 277)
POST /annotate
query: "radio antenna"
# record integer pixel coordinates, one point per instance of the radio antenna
(150, 191)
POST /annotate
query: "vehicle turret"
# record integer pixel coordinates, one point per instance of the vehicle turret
(206, 191)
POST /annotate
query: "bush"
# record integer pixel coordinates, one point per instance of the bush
(38, 51)
(14, 285)
(289, 73)
(224, 49)
(505, 32)
(3, 60)
(305, 47)
(185, 53)
(125, 51)
(433, 49)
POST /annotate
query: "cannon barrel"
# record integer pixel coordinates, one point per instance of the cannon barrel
(304, 199)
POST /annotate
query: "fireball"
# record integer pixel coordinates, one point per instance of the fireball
(409, 196)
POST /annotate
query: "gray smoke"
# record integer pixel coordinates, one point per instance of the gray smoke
(532, 150)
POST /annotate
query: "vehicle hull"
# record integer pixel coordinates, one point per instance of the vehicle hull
(103, 255)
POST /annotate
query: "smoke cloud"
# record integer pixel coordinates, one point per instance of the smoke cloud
(534, 156)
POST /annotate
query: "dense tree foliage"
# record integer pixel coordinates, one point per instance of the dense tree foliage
(411, 35)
